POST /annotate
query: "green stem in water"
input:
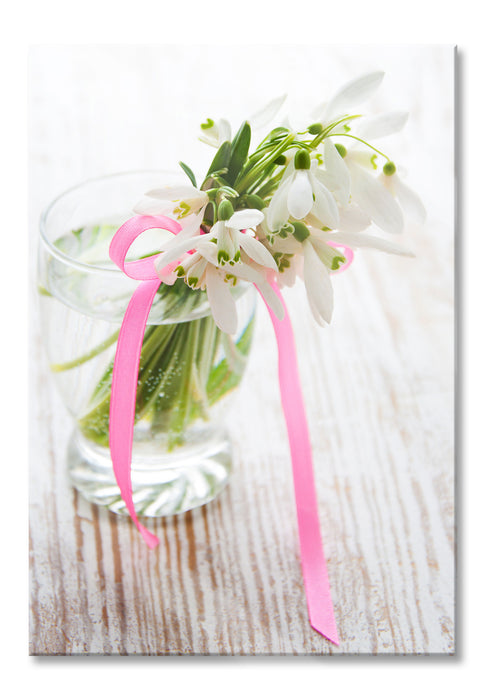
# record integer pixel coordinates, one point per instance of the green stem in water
(178, 379)
(97, 350)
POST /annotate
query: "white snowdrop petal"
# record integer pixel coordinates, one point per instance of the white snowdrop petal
(317, 284)
(267, 113)
(210, 138)
(256, 251)
(324, 206)
(221, 301)
(353, 93)
(148, 206)
(338, 172)
(176, 248)
(245, 218)
(289, 170)
(247, 273)
(380, 126)
(272, 299)
(286, 245)
(410, 202)
(224, 131)
(353, 219)
(226, 241)
(365, 240)
(208, 250)
(277, 212)
(173, 193)
(191, 226)
(372, 196)
(300, 198)
(288, 277)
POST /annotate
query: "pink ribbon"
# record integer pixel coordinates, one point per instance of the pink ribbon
(314, 569)
(122, 415)
(128, 349)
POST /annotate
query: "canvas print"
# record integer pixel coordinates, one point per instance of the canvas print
(241, 427)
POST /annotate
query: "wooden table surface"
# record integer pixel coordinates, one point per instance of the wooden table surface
(378, 386)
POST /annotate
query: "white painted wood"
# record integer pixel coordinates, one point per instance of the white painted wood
(378, 386)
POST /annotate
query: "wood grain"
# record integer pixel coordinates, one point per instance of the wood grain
(226, 580)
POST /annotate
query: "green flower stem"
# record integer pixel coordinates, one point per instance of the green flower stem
(178, 379)
(356, 138)
(97, 350)
(244, 180)
(327, 131)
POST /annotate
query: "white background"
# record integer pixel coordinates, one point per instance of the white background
(355, 23)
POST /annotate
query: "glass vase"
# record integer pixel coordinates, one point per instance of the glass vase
(188, 367)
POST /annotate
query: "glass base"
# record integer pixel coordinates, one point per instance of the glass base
(164, 483)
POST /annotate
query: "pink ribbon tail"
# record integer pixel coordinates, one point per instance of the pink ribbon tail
(124, 395)
(314, 569)
(127, 357)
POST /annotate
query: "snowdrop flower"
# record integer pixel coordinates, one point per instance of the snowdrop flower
(320, 256)
(216, 133)
(349, 176)
(301, 192)
(409, 201)
(177, 201)
(180, 202)
(318, 259)
(348, 96)
(308, 253)
(214, 262)
(231, 240)
(349, 173)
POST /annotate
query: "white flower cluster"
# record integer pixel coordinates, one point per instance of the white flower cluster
(282, 211)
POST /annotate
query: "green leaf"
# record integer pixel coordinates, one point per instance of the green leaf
(221, 159)
(239, 152)
(188, 172)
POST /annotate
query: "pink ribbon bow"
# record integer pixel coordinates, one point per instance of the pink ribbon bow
(122, 415)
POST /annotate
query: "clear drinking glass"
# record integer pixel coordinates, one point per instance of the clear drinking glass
(188, 368)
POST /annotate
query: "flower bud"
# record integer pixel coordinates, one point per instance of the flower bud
(255, 202)
(315, 129)
(225, 210)
(389, 168)
(340, 149)
(301, 232)
(302, 160)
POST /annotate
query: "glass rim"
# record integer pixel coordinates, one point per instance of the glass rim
(64, 257)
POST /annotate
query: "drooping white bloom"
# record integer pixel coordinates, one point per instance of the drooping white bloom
(409, 201)
(181, 202)
(348, 96)
(305, 250)
(235, 235)
(301, 192)
(215, 133)
(177, 201)
(352, 175)
(216, 260)
(350, 172)
(320, 257)
(380, 126)
(265, 115)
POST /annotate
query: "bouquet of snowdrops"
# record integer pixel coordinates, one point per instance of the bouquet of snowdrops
(282, 210)
(265, 215)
